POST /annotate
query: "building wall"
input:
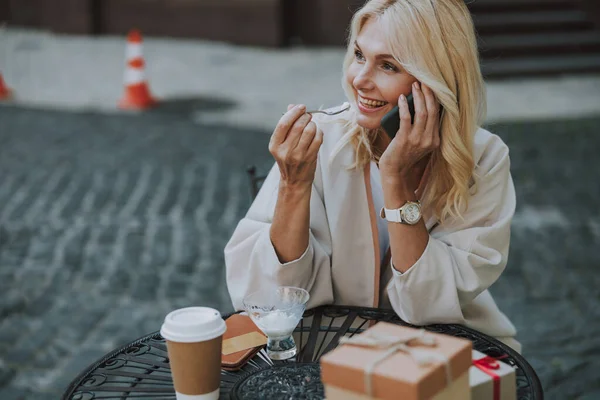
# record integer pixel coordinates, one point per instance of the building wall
(247, 22)
(271, 23)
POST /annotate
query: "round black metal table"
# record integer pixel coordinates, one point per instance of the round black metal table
(140, 369)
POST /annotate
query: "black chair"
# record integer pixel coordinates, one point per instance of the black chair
(255, 180)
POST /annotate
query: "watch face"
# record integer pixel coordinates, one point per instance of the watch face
(412, 213)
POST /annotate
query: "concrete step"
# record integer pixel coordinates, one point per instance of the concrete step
(549, 65)
(539, 44)
(535, 37)
(478, 6)
(530, 22)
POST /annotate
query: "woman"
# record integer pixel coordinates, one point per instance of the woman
(316, 222)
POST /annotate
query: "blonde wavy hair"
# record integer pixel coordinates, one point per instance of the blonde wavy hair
(434, 41)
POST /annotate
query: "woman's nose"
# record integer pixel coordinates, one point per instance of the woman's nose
(363, 80)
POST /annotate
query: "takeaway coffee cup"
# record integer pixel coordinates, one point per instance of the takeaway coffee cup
(194, 338)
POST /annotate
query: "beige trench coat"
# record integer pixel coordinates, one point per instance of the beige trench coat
(341, 265)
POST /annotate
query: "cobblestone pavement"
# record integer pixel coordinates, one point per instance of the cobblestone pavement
(109, 222)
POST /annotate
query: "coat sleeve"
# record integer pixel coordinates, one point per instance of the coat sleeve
(250, 259)
(464, 256)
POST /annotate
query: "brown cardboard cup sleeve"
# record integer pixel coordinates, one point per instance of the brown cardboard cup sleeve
(242, 340)
(194, 337)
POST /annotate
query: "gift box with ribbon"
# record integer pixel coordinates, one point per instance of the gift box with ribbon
(491, 379)
(390, 362)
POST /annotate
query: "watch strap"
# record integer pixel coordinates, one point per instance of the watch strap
(392, 215)
(395, 215)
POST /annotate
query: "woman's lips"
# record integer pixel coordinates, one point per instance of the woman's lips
(369, 110)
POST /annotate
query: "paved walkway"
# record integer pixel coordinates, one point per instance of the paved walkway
(244, 87)
(109, 222)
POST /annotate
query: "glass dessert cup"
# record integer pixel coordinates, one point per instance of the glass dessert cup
(276, 312)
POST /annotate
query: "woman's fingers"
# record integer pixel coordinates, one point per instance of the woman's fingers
(294, 145)
(295, 133)
(420, 111)
(307, 137)
(317, 141)
(285, 124)
(433, 120)
(405, 119)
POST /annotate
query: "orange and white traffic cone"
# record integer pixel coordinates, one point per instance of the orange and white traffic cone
(5, 92)
(137, 93)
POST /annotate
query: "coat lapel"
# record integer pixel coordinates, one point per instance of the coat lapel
(430, 223)
(375, 234)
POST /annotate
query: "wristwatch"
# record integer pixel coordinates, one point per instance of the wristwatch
(409, 213)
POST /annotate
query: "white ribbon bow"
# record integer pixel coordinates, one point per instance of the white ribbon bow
(393, 344)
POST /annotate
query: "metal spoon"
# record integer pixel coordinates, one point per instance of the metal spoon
(345, 107)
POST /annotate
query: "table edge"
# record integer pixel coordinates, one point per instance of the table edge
(538, 392)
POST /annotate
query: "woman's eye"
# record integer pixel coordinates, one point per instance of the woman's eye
(390, 67)
(358, 55)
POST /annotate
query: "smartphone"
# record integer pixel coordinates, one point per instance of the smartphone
(391, 121)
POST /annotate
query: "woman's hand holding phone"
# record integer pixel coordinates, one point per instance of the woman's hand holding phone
(412, 141)
(391, 121)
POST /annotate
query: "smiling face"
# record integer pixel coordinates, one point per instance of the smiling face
(375, 77)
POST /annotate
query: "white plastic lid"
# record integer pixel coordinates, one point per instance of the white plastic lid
(193, 324)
